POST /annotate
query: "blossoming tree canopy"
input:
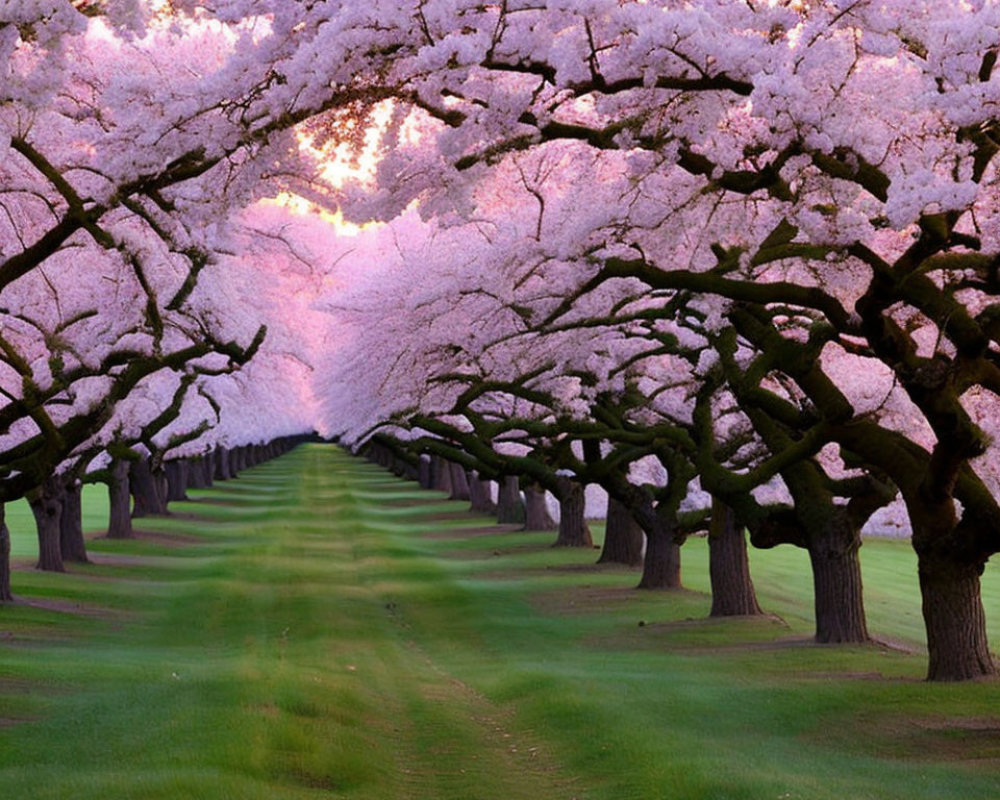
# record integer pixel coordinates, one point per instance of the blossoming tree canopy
(119, 173)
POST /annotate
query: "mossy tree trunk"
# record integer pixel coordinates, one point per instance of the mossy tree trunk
(573, 528)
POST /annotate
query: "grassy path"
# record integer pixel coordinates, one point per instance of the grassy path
(255, 656)
(318, 629)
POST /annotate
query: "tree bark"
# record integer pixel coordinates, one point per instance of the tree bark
(424, 472)
(837, 591)
(177, 471)
(459, 482)
(955, 620)
(536, 510)
(479, 495)
(573, 528)
(661, 569)
(440, 474)
(733, 592)
(221, 459)
(196, 473)
(233, 454)
(831, 535)
(510, 507)
(46, 506)
(146, 490)
(119, 497)
(71, 541)
(6, 596)
(208, 469)
(623, 536)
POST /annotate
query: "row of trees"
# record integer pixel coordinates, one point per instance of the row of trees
(138, 486)
(140, 271)
(745, 249)
(705, 254)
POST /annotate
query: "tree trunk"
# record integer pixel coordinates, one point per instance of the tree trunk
(510, 507)
(440, 474)
(459, 482)
(837, 592)
(145, 488)
(424, 472)
(573, 528)
(71, 542)
(46, 505)
(661, 569)
(830, 533)
(196, 473)
(233, 456)
(733, 592)
(479, 495)
(5, 593)
(119, 496)
(623, 536)
(955, 620)
(221, 459)
(536, 510)
(177, 471)
(208, 469)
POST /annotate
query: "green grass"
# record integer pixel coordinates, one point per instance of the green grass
(317, 629)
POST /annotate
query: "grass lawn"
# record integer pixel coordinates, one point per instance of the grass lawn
(317, 629)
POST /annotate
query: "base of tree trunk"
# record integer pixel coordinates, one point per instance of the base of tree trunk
(459, 482)
(733, 593)
(573, 528)
(5, 594)
(440, 474)
(480, 500)
(623, 537)
(71, 541)
(510, 507)
(838, 598)
(46, 506)
(661, 568)
(119, 502)
(536, 511)
(955, 621)
(148, 490)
